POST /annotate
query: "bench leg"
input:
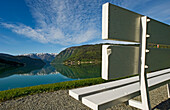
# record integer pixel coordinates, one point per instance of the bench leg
(145, 96)
(168, 89)
(143, 77)
(135, 104)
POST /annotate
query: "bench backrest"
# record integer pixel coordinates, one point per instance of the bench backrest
(120, 61)
(121, 24)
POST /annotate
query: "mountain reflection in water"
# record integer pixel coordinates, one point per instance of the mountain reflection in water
(31, 76)
(28, 70)
(80, 71)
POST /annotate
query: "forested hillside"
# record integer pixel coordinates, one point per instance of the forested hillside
(8, 61)
(85, 53)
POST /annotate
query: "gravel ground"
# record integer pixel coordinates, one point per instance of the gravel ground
(60, 100)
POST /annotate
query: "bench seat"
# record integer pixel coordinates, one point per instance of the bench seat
(101, 96)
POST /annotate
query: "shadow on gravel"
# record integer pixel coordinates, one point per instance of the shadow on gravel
(165, 105)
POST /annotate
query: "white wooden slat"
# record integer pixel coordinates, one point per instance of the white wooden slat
(153, 74)
(107, 98)
(104, 98)
(80, 92)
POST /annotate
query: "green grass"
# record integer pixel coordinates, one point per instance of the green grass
(20, 92)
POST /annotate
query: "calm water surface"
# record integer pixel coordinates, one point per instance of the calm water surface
(21, 77)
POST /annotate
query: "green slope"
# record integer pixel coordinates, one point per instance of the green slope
(8, 65)
(86, 53)
(8, 62)
(63, 55)
(79, 53)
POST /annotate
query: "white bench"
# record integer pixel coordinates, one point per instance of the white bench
(102, 96)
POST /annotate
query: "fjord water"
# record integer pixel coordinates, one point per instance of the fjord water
(25, 77)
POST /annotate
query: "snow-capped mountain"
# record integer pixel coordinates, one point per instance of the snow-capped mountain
(47, 57)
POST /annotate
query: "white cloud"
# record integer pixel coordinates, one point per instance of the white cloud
(157, 9)
(61, 22)
(26, 30)
(69, 22)
(7, 40)
(131, 4)
(160, 12)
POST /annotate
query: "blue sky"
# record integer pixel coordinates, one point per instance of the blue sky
(48, 26)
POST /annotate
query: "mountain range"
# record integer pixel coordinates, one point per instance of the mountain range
(46, 57)
(11, 62)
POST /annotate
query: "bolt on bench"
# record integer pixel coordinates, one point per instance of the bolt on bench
(125, 60)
